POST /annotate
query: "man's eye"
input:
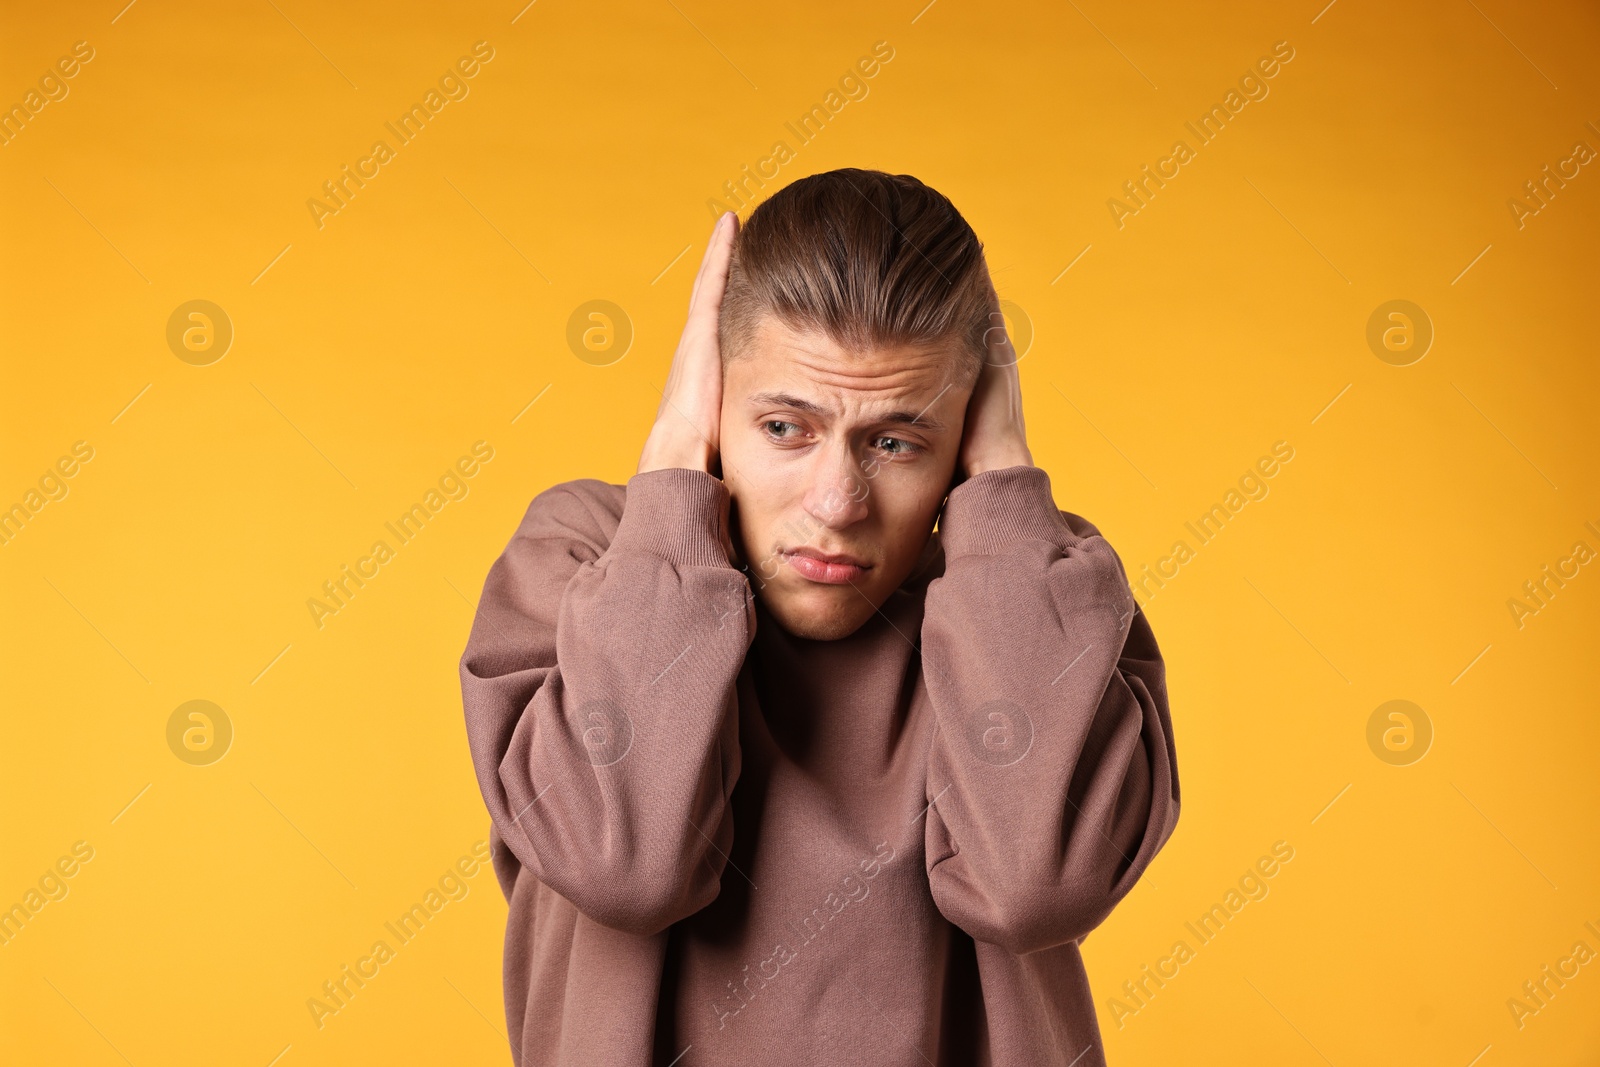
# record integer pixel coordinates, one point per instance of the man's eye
(776, 427)
(894, 446)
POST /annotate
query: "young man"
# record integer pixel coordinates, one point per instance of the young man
(778, 773)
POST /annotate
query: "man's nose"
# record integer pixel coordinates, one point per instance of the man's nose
(837, 495)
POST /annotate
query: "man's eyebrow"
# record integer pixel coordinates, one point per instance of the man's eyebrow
(797, 403)
(788, 400)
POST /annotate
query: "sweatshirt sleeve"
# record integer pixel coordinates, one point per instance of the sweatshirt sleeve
(599, 685)
(1052, 776)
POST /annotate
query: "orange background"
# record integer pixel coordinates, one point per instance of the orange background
(432, 310)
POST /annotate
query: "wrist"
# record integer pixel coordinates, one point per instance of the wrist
(1016, 455)
(693, 454)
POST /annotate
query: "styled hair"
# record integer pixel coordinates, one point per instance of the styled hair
(869, 259)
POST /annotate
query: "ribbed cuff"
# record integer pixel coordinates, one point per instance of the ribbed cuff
(999, 507)
(678, 514)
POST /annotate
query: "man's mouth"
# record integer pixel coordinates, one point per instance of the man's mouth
(824, 567)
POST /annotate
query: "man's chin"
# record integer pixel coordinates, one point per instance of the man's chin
(822, 613)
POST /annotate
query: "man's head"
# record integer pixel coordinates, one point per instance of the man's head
(852, 331)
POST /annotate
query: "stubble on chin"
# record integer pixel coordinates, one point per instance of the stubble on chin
(822, 622)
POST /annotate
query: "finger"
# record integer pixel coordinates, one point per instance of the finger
(704, 257)
(997, 338)
(692, 326)
(705, 260)
(719, 258)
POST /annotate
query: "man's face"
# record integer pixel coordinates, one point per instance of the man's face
(832, 453)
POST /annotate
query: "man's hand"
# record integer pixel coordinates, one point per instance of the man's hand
(688, 420)
(994, 436)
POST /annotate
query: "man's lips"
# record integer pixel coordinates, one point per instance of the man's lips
(824, 567)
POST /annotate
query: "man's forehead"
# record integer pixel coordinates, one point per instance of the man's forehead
(812, 366)
(776, 338)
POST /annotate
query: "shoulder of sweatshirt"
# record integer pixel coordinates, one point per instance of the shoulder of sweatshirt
(584, 511)
(1080, 526)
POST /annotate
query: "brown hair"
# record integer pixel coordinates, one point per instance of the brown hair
(868, 258)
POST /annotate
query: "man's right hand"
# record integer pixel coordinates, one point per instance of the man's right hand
(688, 420)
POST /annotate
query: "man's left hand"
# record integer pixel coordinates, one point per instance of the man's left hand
(994, 436)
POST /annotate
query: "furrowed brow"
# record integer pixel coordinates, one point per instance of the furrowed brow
(912, 418)
(797, 403)
(788, 400)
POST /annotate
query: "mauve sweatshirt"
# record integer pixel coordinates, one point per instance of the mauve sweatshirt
(723, 844)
